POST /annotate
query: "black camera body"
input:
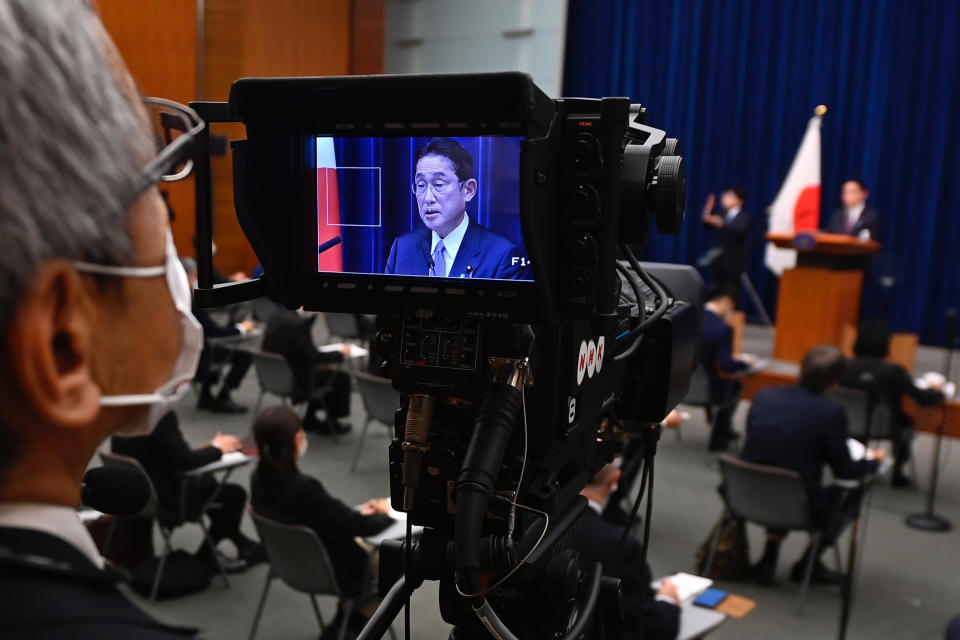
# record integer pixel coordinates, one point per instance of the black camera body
(515, 391)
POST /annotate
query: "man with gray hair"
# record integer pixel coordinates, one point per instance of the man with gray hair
(96, 336)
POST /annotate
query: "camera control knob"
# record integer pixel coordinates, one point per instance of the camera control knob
(668, 189)
(585, 250)
(587, 150)
(671, 147)
(586, 201)
(581, 283)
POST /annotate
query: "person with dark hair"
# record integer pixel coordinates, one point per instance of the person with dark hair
(279, 491)
(855, 218)
(797, 427)
(719, 363)
(891, 384)
(733, 228)
(598, 540)
(212, 354)
(165, 455)
(290, 335)
(450, 244)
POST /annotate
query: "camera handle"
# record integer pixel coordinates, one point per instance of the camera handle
(431, 561)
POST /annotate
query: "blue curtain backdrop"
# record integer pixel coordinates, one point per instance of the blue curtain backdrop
(737, 80)
(496, 165)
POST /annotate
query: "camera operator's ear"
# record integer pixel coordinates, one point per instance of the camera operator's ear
(470, 189)
(49, 342)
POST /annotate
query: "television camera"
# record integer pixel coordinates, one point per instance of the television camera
(518, 381)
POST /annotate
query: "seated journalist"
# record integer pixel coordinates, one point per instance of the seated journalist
(892, 384)
(797, 427)
(96, 334)
(290, 334)
(719, 363)
(279, 491)
(166, 456)
(213, 353)
(598, 540)
(450, 244)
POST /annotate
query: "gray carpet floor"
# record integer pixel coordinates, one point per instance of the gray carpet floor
(907, 586)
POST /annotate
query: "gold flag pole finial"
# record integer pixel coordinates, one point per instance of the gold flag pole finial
(820, 110)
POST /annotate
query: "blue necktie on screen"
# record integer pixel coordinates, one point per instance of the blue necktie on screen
(439, 263)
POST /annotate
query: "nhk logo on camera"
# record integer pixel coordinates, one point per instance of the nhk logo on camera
(590, 358)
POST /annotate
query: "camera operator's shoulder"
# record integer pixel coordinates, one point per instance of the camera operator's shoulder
(41, 603)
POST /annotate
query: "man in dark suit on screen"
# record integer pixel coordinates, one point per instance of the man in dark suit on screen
(855, 218)
(451, 245)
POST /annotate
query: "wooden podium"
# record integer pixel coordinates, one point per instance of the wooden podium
(821, 295)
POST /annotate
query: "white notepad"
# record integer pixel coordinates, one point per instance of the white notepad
(688, 585)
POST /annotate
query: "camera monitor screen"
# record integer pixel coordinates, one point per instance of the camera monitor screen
(444, 207)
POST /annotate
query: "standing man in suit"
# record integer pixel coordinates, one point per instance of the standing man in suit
(450, 245)
(733, 227)
(95, 324)
(597, 540)
(798, 428)
(719, 363)
(855, 218)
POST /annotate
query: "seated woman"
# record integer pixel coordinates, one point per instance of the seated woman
(280, 492)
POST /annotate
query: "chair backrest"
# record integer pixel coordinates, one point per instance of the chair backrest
(264, 308)
(769, 496)
(856, 403)
(342, 325)
(380, 399)
(274, 373)
(297, 556)
(698, 395)
(110, 459)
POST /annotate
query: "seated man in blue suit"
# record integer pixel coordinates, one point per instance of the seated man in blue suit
(719, 363)
(798, 428)
(654, 615)
(450, 244)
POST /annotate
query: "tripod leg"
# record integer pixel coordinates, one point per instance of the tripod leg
(755, 299)
(808, 570)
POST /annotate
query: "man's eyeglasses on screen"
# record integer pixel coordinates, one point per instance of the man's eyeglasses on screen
(439, 187)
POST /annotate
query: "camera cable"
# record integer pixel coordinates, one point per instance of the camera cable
(664, 302)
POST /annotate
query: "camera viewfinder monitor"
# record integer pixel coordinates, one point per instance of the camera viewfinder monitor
(445, 208)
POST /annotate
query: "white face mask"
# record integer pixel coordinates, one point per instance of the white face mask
(190, 345)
